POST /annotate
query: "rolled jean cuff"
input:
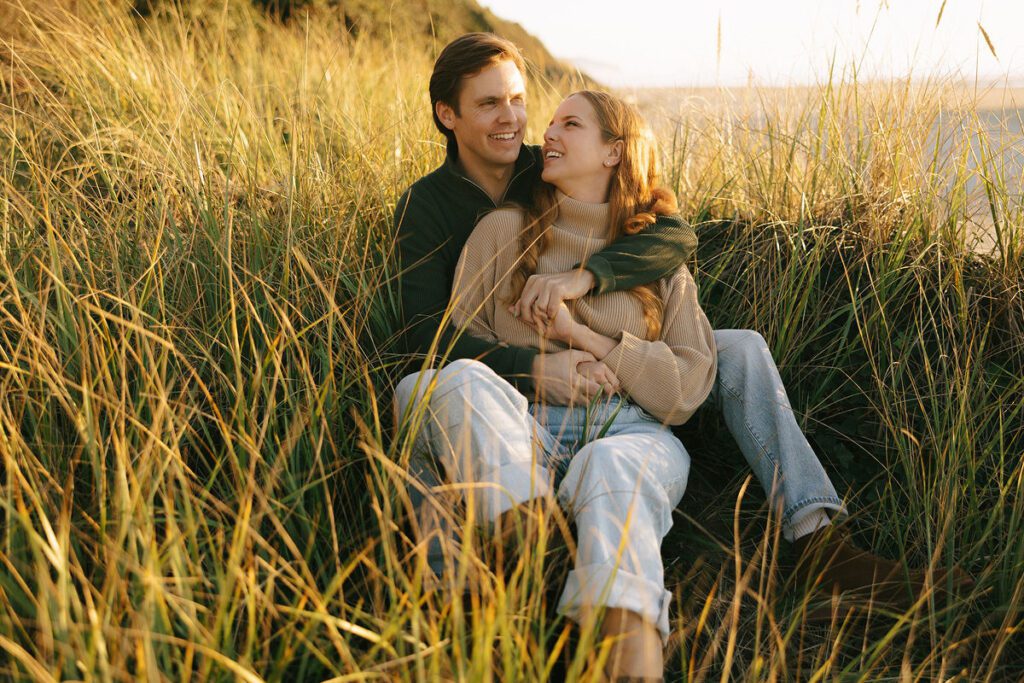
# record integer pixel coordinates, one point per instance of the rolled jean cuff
(794, 514)
(612, 587)
(503, 488)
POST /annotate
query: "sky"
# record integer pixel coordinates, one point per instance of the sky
(646, 43)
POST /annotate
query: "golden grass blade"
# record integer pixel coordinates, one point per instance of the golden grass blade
(988, 41)
(718, 43)
(35, 669)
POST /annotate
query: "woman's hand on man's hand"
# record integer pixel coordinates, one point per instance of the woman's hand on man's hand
(542, 294)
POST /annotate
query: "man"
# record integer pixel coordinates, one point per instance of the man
(474, 423)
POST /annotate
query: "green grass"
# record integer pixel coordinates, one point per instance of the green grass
(197, 323)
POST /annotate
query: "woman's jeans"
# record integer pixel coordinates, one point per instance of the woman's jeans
(487, 434)
(618, 472)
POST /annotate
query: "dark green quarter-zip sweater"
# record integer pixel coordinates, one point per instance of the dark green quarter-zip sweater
(433, 220)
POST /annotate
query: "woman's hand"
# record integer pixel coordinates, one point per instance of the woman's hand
(561, 327)
(564, 328)
(558, 381)
(543, 294)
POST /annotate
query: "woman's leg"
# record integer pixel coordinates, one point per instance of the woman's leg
(621, 490)
(637, 653)
(478, 427)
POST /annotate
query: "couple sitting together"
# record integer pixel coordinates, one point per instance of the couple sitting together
(552, 282)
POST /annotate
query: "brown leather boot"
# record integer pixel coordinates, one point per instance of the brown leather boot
(826, 555)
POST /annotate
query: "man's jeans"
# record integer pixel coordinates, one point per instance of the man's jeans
(749, 392)
(483, 432)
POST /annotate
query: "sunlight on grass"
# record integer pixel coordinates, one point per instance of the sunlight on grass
(198, 333)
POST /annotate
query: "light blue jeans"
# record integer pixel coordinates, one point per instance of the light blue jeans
(624, 473)
(751, 397)
(483, 431)
(617, 470)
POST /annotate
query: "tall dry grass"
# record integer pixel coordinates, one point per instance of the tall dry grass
(197, 341)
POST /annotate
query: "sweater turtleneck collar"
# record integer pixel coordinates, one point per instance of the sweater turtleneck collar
(584, 218)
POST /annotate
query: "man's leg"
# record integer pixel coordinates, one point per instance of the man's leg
(753, 401)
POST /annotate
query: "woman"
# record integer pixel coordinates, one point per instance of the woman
(616, 465)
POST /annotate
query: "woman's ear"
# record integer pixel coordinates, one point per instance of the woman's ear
(446, 114)
(614, 154)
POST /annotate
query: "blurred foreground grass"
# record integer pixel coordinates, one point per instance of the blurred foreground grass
(197, 327)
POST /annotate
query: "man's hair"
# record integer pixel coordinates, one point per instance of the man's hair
(462, 58)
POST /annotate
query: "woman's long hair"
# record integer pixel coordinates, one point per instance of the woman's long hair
(635, 199)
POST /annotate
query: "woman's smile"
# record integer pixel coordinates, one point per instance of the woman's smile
(551, 155)
(577, 158)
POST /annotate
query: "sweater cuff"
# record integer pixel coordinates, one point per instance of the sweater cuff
(627, 359)
(604, 278)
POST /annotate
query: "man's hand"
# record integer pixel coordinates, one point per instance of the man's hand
(602, 374)
(542, 294)
(558, 381)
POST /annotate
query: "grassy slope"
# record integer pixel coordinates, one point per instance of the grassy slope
(195, 348)
(436, 22)
(422, 23)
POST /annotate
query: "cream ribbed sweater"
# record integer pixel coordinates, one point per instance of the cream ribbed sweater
(668, 378)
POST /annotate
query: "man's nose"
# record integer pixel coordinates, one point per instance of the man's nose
(506, 113)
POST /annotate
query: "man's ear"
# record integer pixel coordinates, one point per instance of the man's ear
(446, 114)
(614, 154)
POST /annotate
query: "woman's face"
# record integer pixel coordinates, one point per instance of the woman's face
(577, 160)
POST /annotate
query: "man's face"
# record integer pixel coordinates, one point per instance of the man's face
(492, 117)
